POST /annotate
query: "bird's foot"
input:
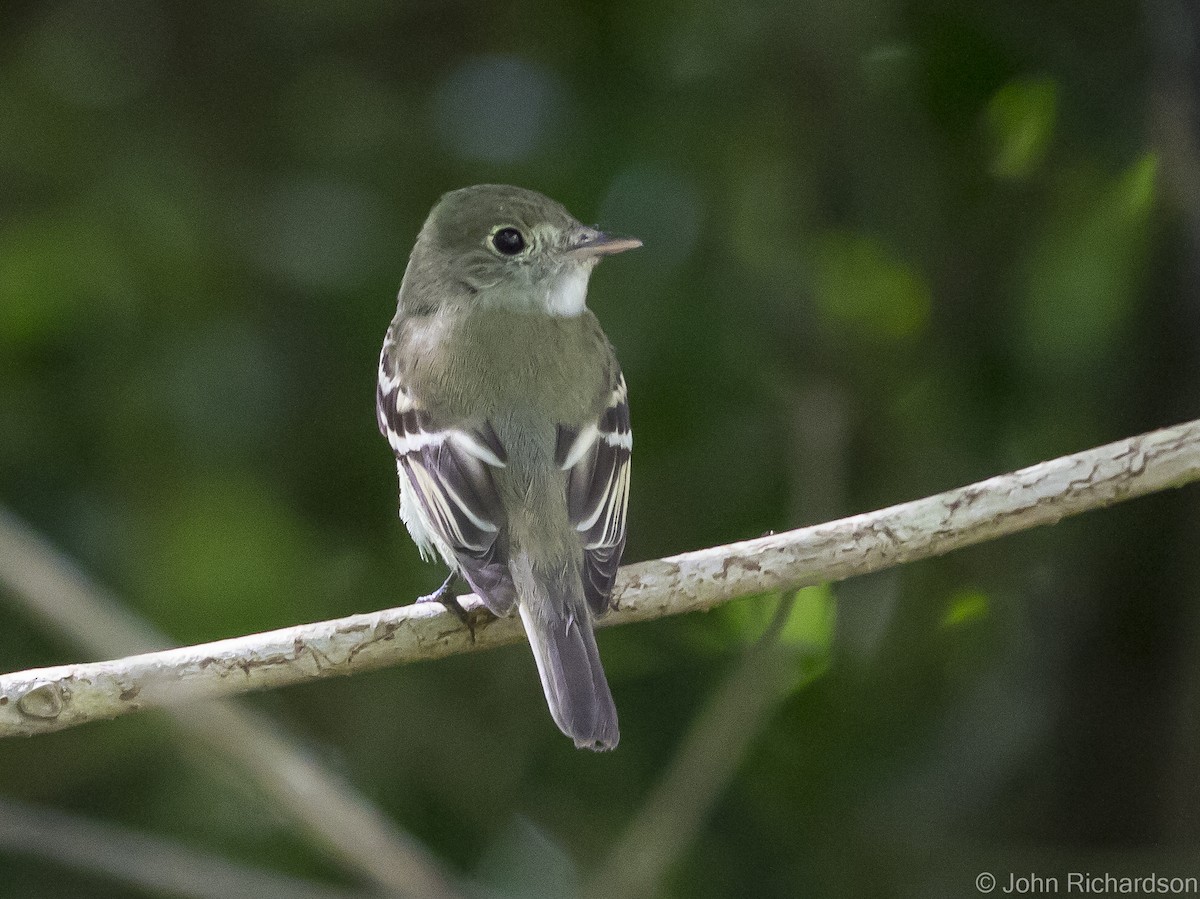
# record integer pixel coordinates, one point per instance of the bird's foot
(445, 595)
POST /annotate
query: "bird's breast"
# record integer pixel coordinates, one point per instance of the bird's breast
(517, 369)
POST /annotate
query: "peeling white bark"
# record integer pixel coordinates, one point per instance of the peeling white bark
(50, 699)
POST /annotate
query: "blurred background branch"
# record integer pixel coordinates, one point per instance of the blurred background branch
(326, 807)
(50, 699)
(148, 863)
(703, 766)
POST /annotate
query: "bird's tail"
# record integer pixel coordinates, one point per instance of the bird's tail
(558, 623)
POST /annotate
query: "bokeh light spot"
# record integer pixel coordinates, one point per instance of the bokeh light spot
(498, 108)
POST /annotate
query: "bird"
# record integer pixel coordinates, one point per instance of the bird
(508, 414)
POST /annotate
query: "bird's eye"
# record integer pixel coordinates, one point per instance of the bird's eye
(508, 241)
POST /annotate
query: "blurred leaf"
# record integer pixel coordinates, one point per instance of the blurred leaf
(809, 632)
(1136, 189)
(1020, 122)
(812, 622)
(1086, 270)
(864, 287)
(741, 621)
(965, 607)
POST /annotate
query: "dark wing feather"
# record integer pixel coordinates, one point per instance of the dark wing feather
(596, 459)
(448, 469)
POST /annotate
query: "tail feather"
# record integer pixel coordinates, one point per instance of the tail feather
(559, 627)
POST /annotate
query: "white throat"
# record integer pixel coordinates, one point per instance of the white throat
(568, 293)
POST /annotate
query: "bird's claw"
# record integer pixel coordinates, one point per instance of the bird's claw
(445, 595)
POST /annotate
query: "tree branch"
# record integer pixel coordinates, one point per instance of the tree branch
(328, 808)
(50, 699)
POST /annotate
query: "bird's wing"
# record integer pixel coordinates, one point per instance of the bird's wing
(596, 460)
(448, 469)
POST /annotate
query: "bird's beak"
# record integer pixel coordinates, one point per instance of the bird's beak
(596, 243)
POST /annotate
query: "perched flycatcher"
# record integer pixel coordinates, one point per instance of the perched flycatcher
(506, 409)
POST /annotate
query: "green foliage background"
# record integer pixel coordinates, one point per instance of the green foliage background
(891, 248)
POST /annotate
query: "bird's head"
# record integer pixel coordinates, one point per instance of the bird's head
(494, 244)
